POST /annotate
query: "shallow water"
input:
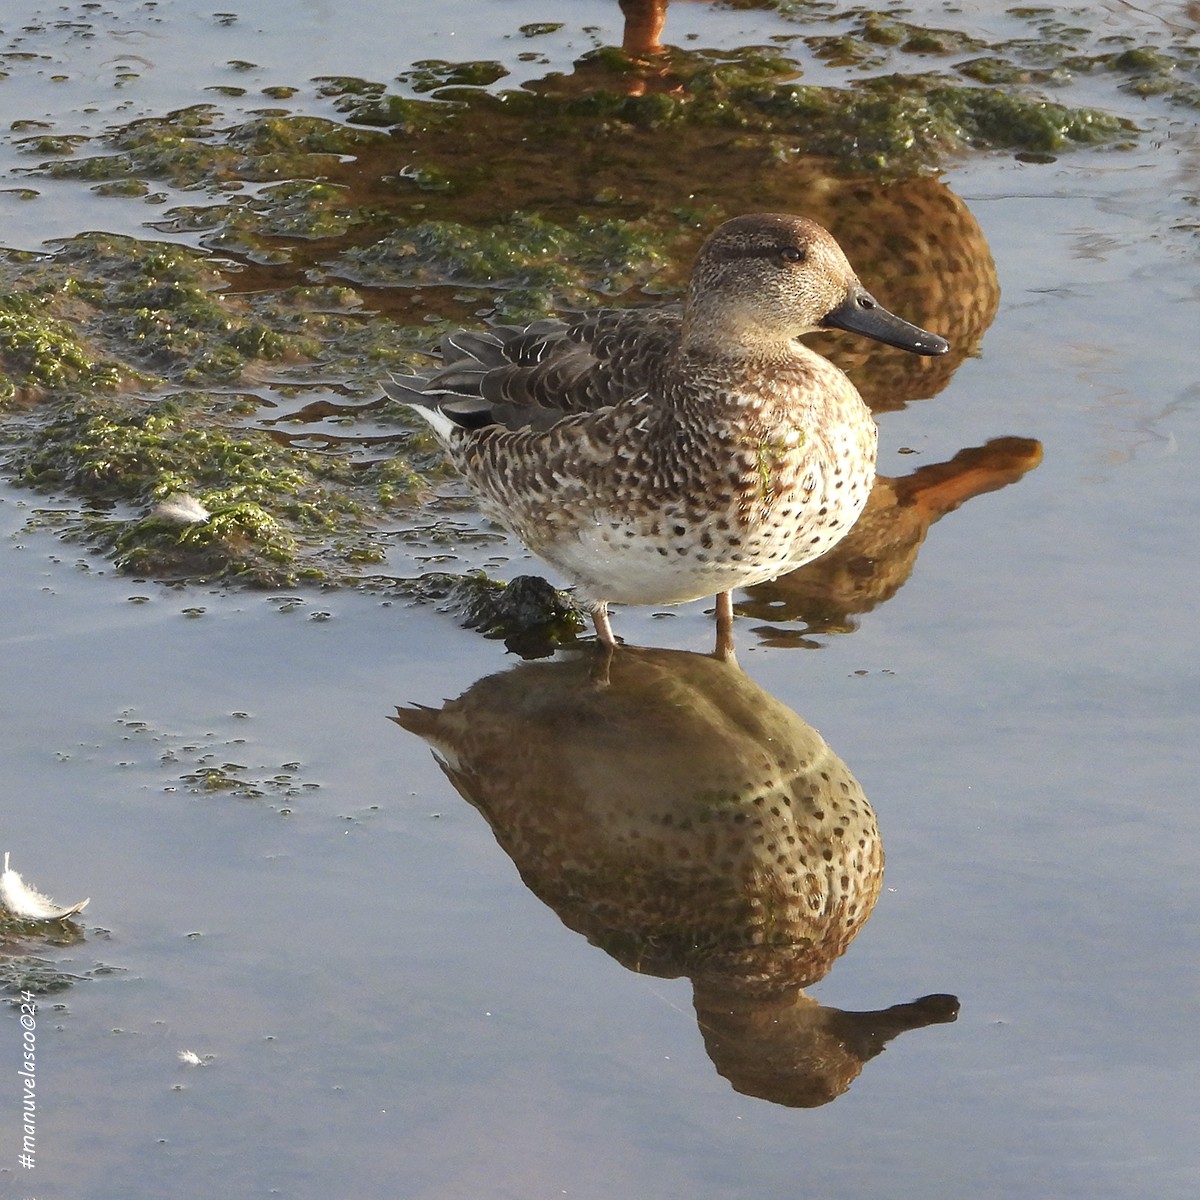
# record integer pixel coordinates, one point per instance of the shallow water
(392, 1012)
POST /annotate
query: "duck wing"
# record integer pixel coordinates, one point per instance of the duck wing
(532, 376)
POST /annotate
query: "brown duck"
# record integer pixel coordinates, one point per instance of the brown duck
(662, 454)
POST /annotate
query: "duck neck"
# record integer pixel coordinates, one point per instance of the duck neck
(715, 329)
(729, 344)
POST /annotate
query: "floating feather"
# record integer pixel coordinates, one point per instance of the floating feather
(180, 509)
(192, 1059)
(22, 901)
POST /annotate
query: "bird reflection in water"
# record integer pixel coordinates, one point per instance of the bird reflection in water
(687, 823)
(875, 559)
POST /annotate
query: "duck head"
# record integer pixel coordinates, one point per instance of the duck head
(762, 280)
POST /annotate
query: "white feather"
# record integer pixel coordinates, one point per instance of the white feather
(22, 901)
(181, 509)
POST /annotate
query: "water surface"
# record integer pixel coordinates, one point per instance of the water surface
(389, 1009)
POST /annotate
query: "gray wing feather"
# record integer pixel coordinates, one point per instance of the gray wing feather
(532, 376)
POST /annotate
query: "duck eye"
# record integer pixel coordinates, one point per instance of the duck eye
(791, 254)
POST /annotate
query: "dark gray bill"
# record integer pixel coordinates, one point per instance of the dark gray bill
(862, 313)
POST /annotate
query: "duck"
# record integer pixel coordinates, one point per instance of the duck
(665, 453)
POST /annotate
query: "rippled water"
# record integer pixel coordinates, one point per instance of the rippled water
(407, 995)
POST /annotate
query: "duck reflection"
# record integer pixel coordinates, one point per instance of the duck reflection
(688, 823)
(876, 557)
(644, 24)
(793, 1050)
(918, 242)
(913, 236)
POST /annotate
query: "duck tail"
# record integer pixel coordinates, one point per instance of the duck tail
(453, 396)
(444, 411)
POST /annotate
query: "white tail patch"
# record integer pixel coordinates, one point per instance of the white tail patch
(441, 424)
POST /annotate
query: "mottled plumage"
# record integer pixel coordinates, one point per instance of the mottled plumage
(658, 455)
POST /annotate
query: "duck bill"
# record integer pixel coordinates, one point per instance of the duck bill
(861, 313)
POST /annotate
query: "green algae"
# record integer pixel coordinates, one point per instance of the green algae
(1147, 72)
(201, 764)
(453, 136)
(907, 122)
(139, 449)
(232, 779)
(40, 352)
(32, 957)
(102, 307)
(431, 75)
(34, 974)
(298, 210)
(163, 308)
(273, 510)
(872, 35)
(900, 121)
(239, 542)
(1059, 47)
(187, 147)
(533, 264)
(122, 187)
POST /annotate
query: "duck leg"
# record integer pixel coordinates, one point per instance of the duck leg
(604, 633)
(602, 664)
(724, 649)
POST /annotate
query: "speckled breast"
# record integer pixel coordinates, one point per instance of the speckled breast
(716, 487)
(738, 503)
